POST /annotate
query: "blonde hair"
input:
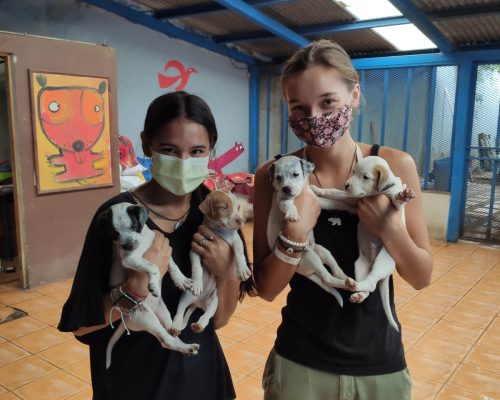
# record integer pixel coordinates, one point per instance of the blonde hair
(322, 52)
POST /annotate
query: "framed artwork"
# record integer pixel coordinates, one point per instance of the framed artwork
(70, 115)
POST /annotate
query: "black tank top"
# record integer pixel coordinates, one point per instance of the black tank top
(316, 332)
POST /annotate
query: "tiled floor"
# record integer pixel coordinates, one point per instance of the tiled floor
(451, 332)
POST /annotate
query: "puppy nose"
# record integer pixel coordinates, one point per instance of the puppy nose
(346, 185)
(239, 221)
(287, 189)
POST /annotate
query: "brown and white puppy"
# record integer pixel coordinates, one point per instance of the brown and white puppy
(289, 175)
(372, 176)
(222, 216)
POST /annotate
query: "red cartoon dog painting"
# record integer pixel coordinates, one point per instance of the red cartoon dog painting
(72, 119)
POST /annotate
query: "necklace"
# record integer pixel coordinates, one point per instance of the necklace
(179, 221)
(348, 173)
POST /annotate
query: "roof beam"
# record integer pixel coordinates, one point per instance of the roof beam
(422, 22)
(465, 12)
(318, 29)
(264, 21)
(170, 30)
(208, 8)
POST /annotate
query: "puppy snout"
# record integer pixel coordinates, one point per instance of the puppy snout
(346, 185)
(239, 221)
(286, 189)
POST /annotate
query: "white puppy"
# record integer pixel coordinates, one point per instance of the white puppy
(289, 176)
(371, 176)
(126, 224)
(222, 216)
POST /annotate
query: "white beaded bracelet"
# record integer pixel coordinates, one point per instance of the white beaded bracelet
(292, 243)
(283, 257)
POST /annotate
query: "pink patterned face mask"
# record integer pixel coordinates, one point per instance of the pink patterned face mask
(323, 131)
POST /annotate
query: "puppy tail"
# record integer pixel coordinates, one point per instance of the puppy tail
(112, 341)
(335, 293)
(384, 294)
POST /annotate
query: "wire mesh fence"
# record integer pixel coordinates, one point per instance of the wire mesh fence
(482, 202)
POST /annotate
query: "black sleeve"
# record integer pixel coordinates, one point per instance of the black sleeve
(85, 306)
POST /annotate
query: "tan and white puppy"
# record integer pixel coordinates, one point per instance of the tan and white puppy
(126, 224)
(372, 176)
(222, 216)
(289, 175)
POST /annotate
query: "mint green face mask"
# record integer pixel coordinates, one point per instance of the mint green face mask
(179, 176)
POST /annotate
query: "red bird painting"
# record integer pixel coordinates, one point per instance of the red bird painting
(178, 75)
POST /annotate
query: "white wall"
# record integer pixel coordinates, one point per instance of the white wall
(141, 55)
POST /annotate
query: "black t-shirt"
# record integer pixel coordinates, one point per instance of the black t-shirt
(316, 332)
(141, 368)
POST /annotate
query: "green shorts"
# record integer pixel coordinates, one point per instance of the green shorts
(286, 380)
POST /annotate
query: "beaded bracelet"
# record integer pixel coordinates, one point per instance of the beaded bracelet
(290, 249)
(292, 243)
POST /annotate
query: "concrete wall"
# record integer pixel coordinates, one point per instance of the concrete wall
(436, 209)
(142, 54)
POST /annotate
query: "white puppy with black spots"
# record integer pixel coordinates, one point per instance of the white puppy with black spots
(126, 224)
(222, 217)
(371, 176)
(289, 176)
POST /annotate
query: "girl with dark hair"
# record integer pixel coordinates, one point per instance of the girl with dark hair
(179, 134)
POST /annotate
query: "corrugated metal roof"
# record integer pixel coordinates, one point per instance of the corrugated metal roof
(471, 31)
(480, 24)
(364, 41)
(308, 12)
(439, 5)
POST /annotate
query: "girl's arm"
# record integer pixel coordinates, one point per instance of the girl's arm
(271, 274)
(408, 245)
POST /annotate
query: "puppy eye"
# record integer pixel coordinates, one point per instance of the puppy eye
(224, 208)
(366, 177)
(279, 178)
(296, 174)
(238, 208)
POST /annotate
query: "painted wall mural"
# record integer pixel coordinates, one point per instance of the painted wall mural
(226, 158)
(178, 75)
(71, 132)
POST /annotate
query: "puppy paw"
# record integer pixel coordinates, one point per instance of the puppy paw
(197, 327)
(174, 331)
(350, 284)
(292, 216)
(184, 283)
(318, 191)
(406, 195)
(243, 274)
(192, 349)
(358, 297)
(197, 288)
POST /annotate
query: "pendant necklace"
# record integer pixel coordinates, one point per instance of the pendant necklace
(348, 173)
(178, 221)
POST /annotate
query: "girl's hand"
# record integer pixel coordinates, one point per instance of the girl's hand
(380, 216)
(159, 254)
(216, 255)
(309, 210)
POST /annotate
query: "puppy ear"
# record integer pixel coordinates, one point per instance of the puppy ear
(384, 178)
(105, 223)
(138, 216)
(206, 205)
(270, 171)
(307, 167)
